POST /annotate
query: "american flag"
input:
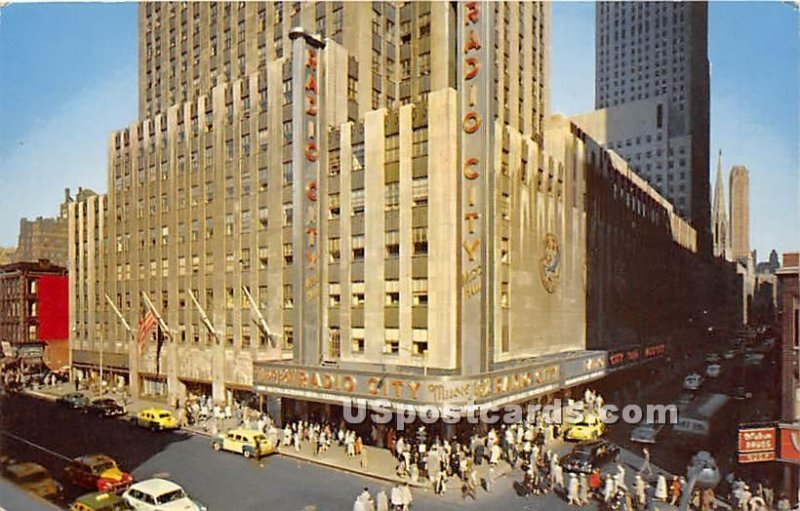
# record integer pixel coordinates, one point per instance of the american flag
(145, 325)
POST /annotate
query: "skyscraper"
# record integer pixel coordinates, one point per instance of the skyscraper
(740, 213)
(652, 64)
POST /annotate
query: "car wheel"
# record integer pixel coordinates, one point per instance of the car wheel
(154, 427)
(216, 446)
(247, 453)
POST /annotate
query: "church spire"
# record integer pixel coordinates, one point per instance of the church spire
(719, 215)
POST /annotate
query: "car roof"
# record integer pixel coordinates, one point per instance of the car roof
(24, 468)
(155, 486)
(98, 498)
(91, 459)
(243, 431)
(154, 410)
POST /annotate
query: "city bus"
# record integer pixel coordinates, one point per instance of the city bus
(702, 421)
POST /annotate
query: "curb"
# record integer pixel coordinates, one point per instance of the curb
(40, 395)
(356, 471)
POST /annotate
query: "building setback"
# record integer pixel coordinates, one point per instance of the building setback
(34, 312)
(652, 85)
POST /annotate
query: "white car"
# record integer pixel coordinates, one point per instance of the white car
(692, 381)
(159, 495)
(712, 358)
(713, 370)
(728, 355)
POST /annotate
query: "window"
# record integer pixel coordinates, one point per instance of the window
(420, 240)
(288, 172)
(229, 224)
(334, 294)
(263, 296)
(504, 250)
(334, 250)
(245, 221)
(263, 177)
(504, 294)
(420, 141)
(505, 206)
(229, 298)
(334, 163)
(334, 343)
(357, 340)
(352, 89)
(209, 228)
(288, 298)
(392, 149)
(245, 259)
(263, 257)
(229, 262)
(392, 288)
(287, 214)
(195, 263)
(357, 202)
(420, 191)
(357, 245)
(263, 217)
(392, 244)
(357, 289)
(333, 206)
(165, 267)
(424, 24)
(424, 64)
(288, 253)
(182, 265)
(392, 196)
(288, 337)
(420, 342)
(230, 187)
(391, 343)
(419, 291)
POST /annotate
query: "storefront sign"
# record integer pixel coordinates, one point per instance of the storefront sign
(305, 153)
(475, 48)
(435, 391)
(30, 351)
(620, 359)
(756, 444)
(655, 351)
(583, 368)
(789, 447)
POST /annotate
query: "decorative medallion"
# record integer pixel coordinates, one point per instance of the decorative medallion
(550, 263)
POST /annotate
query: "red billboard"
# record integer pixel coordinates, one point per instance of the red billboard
(53, 295)
(756, 444)
(790, 443)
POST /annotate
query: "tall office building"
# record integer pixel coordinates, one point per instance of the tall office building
(365, 194)
(652, 82)
(740, 213)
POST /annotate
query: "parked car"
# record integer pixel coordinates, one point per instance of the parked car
(646, 432)
(100, 501)
(33, 478)
(156, 419)
(712, 358)
(590, 428)
(160, 495)
(105, 407)
(250, 443)
(74, 400)
(692, 381)
(97, 472)
(713, 370)
(728, 355)
(587, 456)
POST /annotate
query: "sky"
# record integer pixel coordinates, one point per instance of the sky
(68, 79)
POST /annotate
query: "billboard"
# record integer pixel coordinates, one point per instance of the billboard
(789, 446)
(756, 444)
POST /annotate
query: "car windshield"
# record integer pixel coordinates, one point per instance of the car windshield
(260, 438)
(171, 496)
(103, 466)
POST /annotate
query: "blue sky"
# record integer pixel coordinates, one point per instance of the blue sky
(68, 79)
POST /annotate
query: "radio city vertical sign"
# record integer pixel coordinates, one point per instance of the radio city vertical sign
(475, 62)
(306, 137)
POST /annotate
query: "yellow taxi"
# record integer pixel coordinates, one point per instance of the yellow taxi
(248, 442)
(33, 478)
(100, 501)
(156, 419)
(589, 428)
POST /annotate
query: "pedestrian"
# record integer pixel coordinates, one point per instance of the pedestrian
(472, 485)
(572, 491)
(583, 490)
(359, 444)
(646, 468)
(639, 489)
(661, 488)
(364, 462)
(609, 489)
(595, 481)
(558, 477)
(440, 483)
(490, 479)
(494, 456)
(382, 501)
(77, 383)
(675, 491)
(783, 503)
(619, 478)
(397, 498)
(364, 502)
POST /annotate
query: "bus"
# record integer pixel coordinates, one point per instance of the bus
(702, 421)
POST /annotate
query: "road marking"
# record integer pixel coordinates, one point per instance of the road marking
(37, 446)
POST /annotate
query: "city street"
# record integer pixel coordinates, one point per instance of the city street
(46, 433)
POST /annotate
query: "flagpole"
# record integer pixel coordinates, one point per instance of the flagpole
(152, 307)
(262, 321)
(203, 316)
(102, 343)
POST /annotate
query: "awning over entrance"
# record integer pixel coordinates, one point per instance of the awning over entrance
(402, 391)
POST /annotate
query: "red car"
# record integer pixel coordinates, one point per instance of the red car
(97, 472)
